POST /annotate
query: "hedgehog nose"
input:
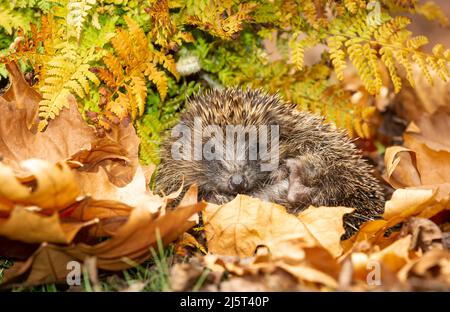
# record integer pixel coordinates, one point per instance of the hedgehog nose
(237, 183)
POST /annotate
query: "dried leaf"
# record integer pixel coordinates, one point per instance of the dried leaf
(31, 227)
(238, 227)
(64, 137)
(131, 241)
(326, 224)
(425, 234)
(54, 186)
(401, 167)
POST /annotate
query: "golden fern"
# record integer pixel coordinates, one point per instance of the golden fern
(78, 11)
(11, 19)
(365, 43)
(432, 12)
(298, 48)
(68, 73)
(134, 62)
(164, 30)
(220, 18)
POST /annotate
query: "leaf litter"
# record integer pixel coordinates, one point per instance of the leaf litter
(72, 194)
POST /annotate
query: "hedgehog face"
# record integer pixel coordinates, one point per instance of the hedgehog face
(236, 154)
(232, 177)
(227, 179)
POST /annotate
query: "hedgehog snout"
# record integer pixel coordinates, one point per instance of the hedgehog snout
(237, 183)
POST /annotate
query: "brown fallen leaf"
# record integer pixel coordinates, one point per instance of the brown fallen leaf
(393, 258)
(49, 186)
(129, 244)
(434, 166)
(68, 137)
(401, 167)
(183, 276)
(238, 227)
(116, 153)
(405, 203)
(429, 272)
(31, 227)
(64, 137)
(313, 267)
(326, 224)
(426, 235)
(21, 95)
(278, 280)
(97, 185)
(424, 162)
(308, 264)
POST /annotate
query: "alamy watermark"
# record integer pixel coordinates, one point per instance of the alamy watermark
(374, 15)
(373, 278)
(234, 143)
(73, 277)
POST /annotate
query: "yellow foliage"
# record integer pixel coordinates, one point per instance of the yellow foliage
(359, 40)
(67, 73)
(134, 63)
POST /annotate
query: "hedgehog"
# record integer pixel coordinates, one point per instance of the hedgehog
(246, 141)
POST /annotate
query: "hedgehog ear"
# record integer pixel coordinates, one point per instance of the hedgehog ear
(297, 192)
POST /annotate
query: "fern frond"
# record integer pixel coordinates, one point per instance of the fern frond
(68, 73)
(432, 12)
(167, 62)
(120, 106)
(354, 5)
(298, 49)
(115, 68)
(134, 62)
(11, 18)
(337, 55)
(139, 90)
(158, 78)
(365, 43)
(78, 12)
(221, 19)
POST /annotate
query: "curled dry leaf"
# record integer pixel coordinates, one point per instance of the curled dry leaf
(48, 186)
(401, 167)
(21, 96)
(425, 159)
(116, 153)
(68, 137)
(426, 235)
(405, 203)
(129, 244)
(31, 227)
(98, 186)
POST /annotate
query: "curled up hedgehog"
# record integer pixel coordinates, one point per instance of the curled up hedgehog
(238, 141)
